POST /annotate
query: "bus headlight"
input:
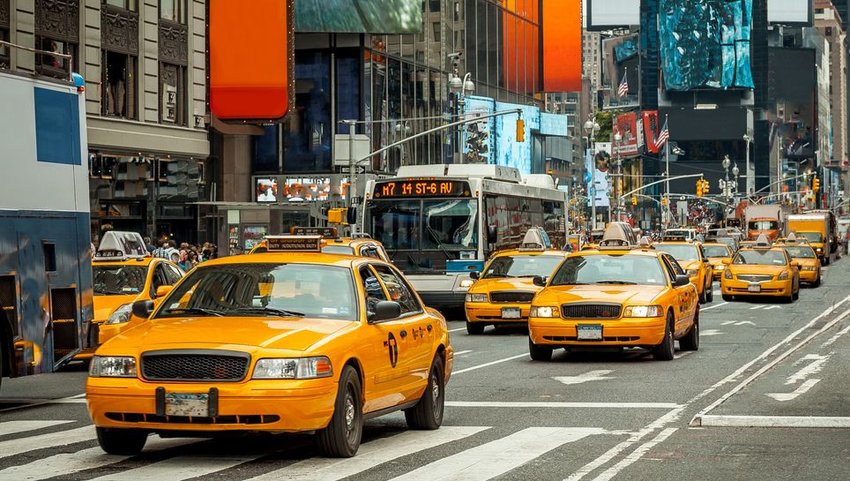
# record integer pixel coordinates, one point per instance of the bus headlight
(121, 315)
(112, 366)
(467, 283)
(543, 311)
(476, 298)
(293, 368)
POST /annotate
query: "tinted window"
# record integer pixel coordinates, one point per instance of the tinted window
(398, 290)
(374, 292)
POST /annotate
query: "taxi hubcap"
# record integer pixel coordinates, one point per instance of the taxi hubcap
(349, 412)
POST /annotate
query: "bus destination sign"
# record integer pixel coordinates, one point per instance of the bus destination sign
(399, 189)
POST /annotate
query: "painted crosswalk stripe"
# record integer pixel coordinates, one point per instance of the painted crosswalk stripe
(179, 468)
(371, 454)
(70, 463)
(14, 427)
(500, 456)
(51, 440)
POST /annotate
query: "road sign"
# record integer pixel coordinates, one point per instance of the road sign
(362, 147)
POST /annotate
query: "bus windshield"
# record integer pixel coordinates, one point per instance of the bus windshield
(764, 225)
(446, 225)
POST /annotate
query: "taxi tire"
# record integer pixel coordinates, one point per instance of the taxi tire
(817, 281)
(125, 442)
(475, 328)
(428, 412)
(539, 353)
(703, 297)
(690, 341)
(341, 438)
(728, 297)
(666, 350)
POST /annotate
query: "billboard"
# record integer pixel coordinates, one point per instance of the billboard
(562, 46)
(705, 45)
(651, 128)
(358, 16)
(478, 136)
(790, 12)
(605, 14)
(631, 130)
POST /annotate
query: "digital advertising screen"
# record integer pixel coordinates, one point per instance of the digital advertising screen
(358, 16)
(265, 189)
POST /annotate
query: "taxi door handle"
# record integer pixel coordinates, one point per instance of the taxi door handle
(403, 333)
(430, 328)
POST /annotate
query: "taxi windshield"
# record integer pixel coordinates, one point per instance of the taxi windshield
(118, 280)
(333, 249)
(680, 252)
(715, 251)
(800, 252)
(610, 269)
(521, 266)
(811, 236)
(761, 257)
(266, 289)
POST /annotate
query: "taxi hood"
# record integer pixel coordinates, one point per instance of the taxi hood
(294, 334)
(620, 294)
(105, 305)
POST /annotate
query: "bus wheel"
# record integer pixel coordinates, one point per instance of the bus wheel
(126, 442)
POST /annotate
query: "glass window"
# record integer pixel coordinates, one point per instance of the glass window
(347, 86)
(396, 224)
(266, 289)
(522, 266)
(173, 10)
(398, 290)
(309, 130)
(52, 65)
(172, 80)
(4, 50)
(450, 224)
(811, 236)
(437, 27)
(119, 85)
(761, 257)
(374, 292)
(681, 252)
(338, 250)
(763, 225)
(610, 269)
(800, 252)
(172, 274)
(716, 251)
(125, 4)
(265, 159)
(118, 280)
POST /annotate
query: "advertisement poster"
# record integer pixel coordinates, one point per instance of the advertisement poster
(478, 138)
(651, 129)
(630, 130)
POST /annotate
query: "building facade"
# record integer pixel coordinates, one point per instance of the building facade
(144, 64)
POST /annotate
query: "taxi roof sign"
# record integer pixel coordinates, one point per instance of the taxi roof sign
(294, 243)
(120, 245)
(326, 232)
(536, 239)
(617, 238)
(762, 241)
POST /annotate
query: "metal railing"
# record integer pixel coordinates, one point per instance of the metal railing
(65, 56)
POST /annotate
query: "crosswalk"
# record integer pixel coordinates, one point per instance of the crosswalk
(33, 450)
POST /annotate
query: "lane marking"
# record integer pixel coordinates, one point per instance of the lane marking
(463, 352)
(371, 454)
(681, 354)
(178, 468)
(710, 332)
(812, 368)
(77, 398)
(775, 421)
(834, 338)
(457, 329)
(715, 306)
(14, 427)
(585, 377)
(50, 440)
(756, 307)
(635, 455)
(803, 389)
(488, 364)
(560, 404)
(497, 457)
(768, 308)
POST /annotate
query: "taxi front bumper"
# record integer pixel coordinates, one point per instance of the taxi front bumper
(809, 276)
(615, 332)
(256, 405)
(486, 312)
(737, 287)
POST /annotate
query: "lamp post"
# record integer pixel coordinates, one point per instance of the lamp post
(747, 173)
(461, 88)
(590, 128)
(726, 163)
(735, 172)
(618, 138)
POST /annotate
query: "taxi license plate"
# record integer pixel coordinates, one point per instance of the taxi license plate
(187, 404)
(589, 332)
(510, 313)
(754, 288)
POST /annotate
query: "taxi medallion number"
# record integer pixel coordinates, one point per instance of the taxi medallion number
(589, 332)
(510, 313)
(754, 288)
(186, 404)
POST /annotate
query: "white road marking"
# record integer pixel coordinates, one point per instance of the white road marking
(370, 454)
(635, 455)
(50, 440)
(737, 323)
(457, 329)
(802, 389)
(768, 308)
(776, 421)
(756, 307)
(681, 354)
(560, 404)
(14, 427)
(710, 332)
(463, 352)
(497, 457)
(813, 368)
(31, 403)
(91, 458)
(488, 364)
(715, 306)
(585, 377)
(178, 468)
(835, 337)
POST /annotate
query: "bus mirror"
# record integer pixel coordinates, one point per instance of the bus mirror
(351, 215)
(491, 234)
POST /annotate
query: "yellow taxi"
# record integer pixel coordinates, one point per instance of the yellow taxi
(293, 340)
(617, 296)
(715, 252)
(360, 245)
(761, 270)
(804, 254)
(122, 273)
(692, 259)
(502, 293)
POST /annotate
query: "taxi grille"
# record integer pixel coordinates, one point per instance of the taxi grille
(193, 365)
(591, 311)
(511, 296)
(754, 277)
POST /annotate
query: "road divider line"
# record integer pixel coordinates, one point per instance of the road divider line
(488, 364)
(560, 404)
(45, 441)
(819, 422)
(635, 455)
(713, 307)
(14, 427)
(458, 353)
(457, 329)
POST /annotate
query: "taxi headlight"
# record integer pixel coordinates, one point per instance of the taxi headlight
(727, 274)
(819, 250)
(807, 268)
(121, 315)
(293, 368)
(467, 283)
(783, 276)
(476, 298)
(720, 267)
(692, 272)
(543, 311)
(642, 311)
(112, 366)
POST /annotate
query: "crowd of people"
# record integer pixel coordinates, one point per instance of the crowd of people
(186, 255)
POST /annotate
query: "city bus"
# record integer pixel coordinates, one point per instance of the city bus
(45, 239)
(438, 223)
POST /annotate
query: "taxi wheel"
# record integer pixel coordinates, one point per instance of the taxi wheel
(428, 412)
(728, 298)
(817, 281)
(703, 297)
(709, 293)
(665, 351)
(341, 438)
(126, 442)
(474, 328)
(539, 353)
(691, 340)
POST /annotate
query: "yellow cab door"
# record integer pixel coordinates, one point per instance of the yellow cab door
(684, 297)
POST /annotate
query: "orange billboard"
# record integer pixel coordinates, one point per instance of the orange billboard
(250, 51)
(561, 45)
(521, 46)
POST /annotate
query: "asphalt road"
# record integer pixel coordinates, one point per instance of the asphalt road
(765, 397)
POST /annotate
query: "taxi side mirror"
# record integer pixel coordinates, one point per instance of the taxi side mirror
(385, 310)
(727, 261)
(539, 281)
(474, 275)
(143, 309)
(681, 280)
(163, 290)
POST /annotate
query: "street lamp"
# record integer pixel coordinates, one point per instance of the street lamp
(618, 137)
(590, 128)
(735, 172)
(461, 88)
(749, 179)
(727, 186)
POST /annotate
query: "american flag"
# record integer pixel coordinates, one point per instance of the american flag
(623, 89)
(663, 136)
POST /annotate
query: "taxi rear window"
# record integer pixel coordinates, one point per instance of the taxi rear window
(522, 266)
(681, 252)
(715, 251)
(800, 252)
(118, 280)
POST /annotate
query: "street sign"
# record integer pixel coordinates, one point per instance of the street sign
(362, 147)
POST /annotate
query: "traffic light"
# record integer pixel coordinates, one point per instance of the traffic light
(337, 216)
(699, 187)
(815, 184)
(520, 130)
(634, 200)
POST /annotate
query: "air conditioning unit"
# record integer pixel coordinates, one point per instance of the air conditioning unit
(169, 103)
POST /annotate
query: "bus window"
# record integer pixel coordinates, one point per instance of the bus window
(450, 224)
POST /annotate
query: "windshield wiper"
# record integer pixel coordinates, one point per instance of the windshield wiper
(627, 283)
(195, 310)
(439, 242)
(269, 310)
